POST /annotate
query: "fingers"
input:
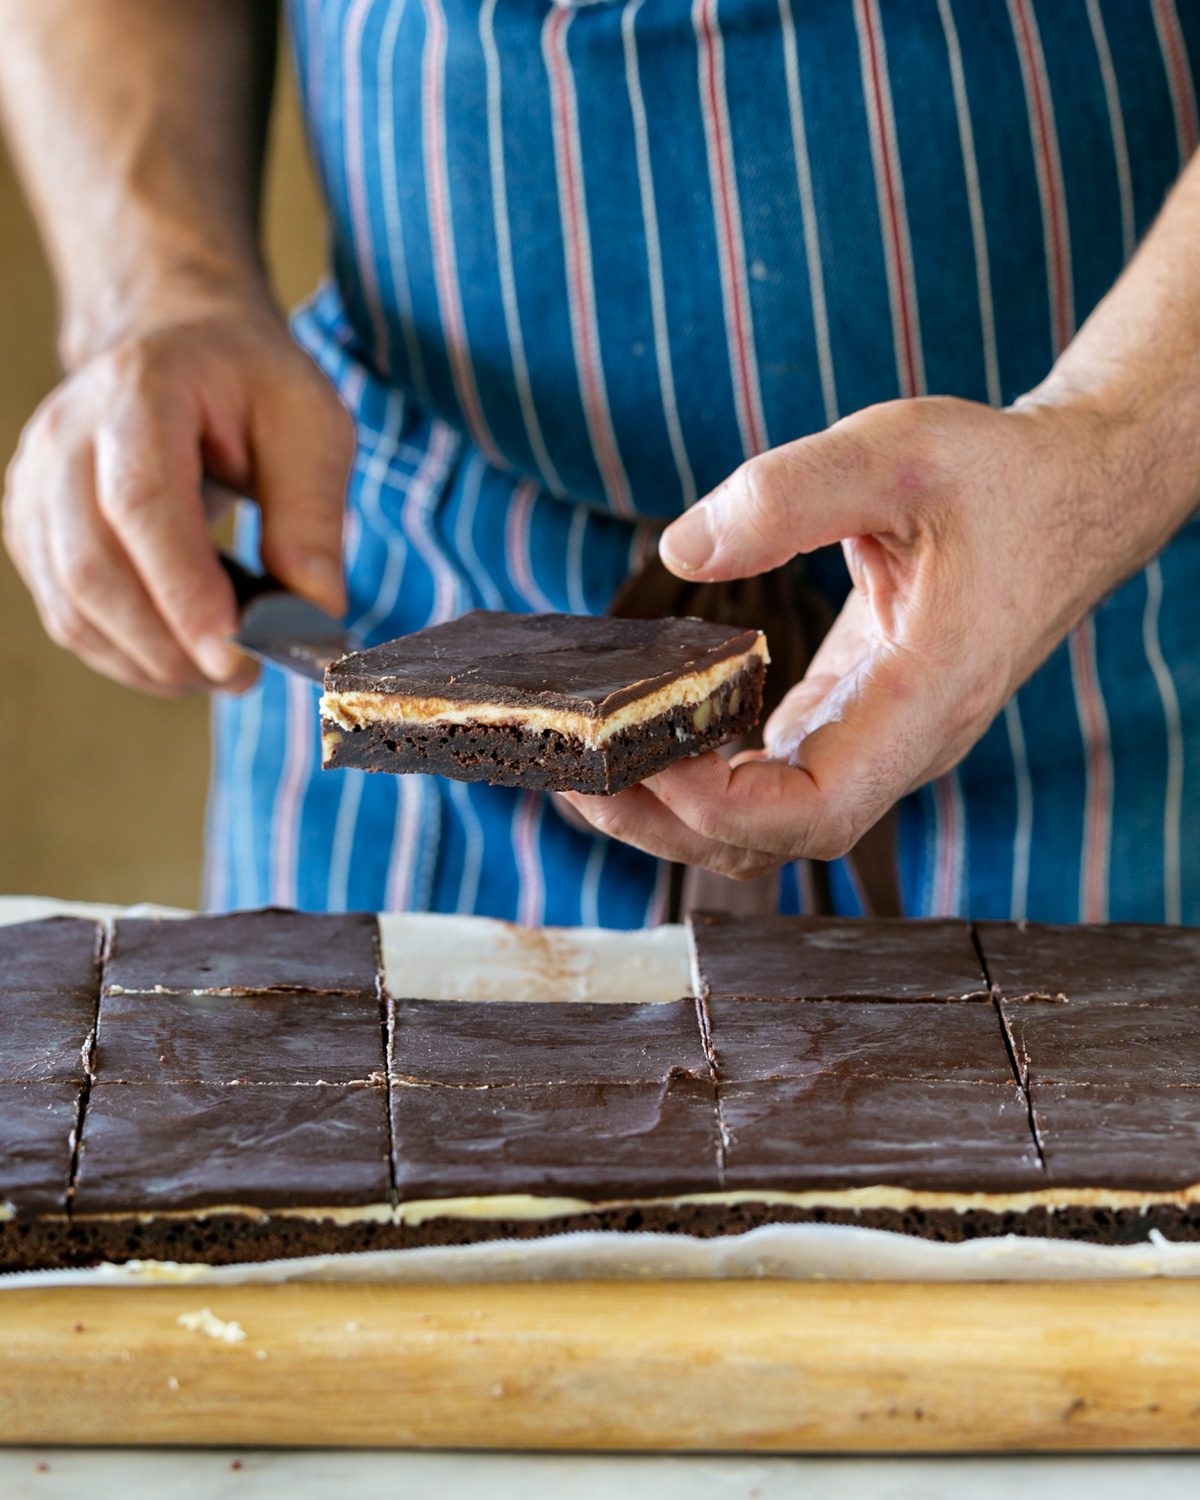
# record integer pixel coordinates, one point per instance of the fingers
(638, 817)
(303, 447)
(791, 499)
(148, 476)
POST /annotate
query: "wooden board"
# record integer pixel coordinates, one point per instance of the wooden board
(751, 1366)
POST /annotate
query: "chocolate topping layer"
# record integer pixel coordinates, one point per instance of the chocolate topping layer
(272, 1038)
(835, 1129)
(589, 664)
(37, 1124)
(1146, 1047)
(594, 1140)
(1097, 1135)
(1120, 962)
(784, 1039)
(57, 955)
(831, 958)
(463, 1043)
(246, 951)
(44, 1036)
(150, 1147)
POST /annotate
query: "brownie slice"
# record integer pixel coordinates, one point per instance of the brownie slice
(285, 1038)
(832, 958)
(563, 702)
(594, 1141)
(37, 1131)
(836, 1131)
(1148, 1048)
(1119, 962)
(46, 1036)
(794, 1039)
(1102, 1135)
(57, 955)
(161, 1166)
(245, 952)
(471, 1044)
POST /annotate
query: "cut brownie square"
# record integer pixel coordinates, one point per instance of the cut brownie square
(836, 1131)
(1123, 963)
(151, 1148)
(471, 1044)
(1105, 1136)
(245, 952)
(1148, 1047)
(831, 958)
(222, 1038)
(37, 1129)
(46, 1036)
(57, 955)
(564, 702)
(593, 1141)
(791, 1039)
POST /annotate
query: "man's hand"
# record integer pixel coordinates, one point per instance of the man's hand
(104, 514)
(975, 539)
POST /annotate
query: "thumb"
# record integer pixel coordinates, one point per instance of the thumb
(791, 499)
(303, 449)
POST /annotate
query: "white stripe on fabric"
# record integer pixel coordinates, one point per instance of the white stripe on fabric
(589, 887)
(1173, 796)
(808, 210)
(216, 815)
(375, 466)
(1022, 782)
(441, 228)
(577, 253)
(517, 545)
(1116, 124)
(654, 262)
(245, 748)
(949, 865)
(464, 534)
(1023, 831)
(393, 246)
(472, 828)
(405, 844)
(356, 178)
(576, 595)
(1090, 708)
(727, 217)
(660, 896)
(504, 252)
(526, 828)
(299, 737)
(341, 849)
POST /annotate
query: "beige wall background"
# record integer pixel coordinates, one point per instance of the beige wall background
(102, 789)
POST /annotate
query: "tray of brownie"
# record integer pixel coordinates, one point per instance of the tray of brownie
(272, 1097)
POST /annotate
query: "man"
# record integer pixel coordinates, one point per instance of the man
(828, 265)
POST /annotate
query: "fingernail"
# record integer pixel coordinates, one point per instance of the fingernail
(320, 579)
(218, 659)
(688, 544)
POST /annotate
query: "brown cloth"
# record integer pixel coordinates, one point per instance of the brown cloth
(795, 618)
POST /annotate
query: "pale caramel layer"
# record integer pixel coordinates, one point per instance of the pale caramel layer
(358, 710)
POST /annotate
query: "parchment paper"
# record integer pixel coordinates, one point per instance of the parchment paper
(474, 958)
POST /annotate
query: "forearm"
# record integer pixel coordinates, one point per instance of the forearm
(138, 128)
(1132, 374)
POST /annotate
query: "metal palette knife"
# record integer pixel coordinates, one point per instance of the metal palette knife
(280, 627)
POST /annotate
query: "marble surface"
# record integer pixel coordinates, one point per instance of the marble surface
(114, 1474)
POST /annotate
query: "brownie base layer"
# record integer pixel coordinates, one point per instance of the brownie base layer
(509, 755)
(225, 1239)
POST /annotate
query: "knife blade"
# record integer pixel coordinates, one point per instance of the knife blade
(278, 626)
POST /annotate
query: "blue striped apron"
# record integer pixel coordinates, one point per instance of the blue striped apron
(585, 258)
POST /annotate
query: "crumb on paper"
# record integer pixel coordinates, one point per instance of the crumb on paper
(260, 1354)
(351, 1327)
(206, 1321)
(172, 1382)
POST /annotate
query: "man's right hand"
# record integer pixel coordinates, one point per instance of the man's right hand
(104, 513)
